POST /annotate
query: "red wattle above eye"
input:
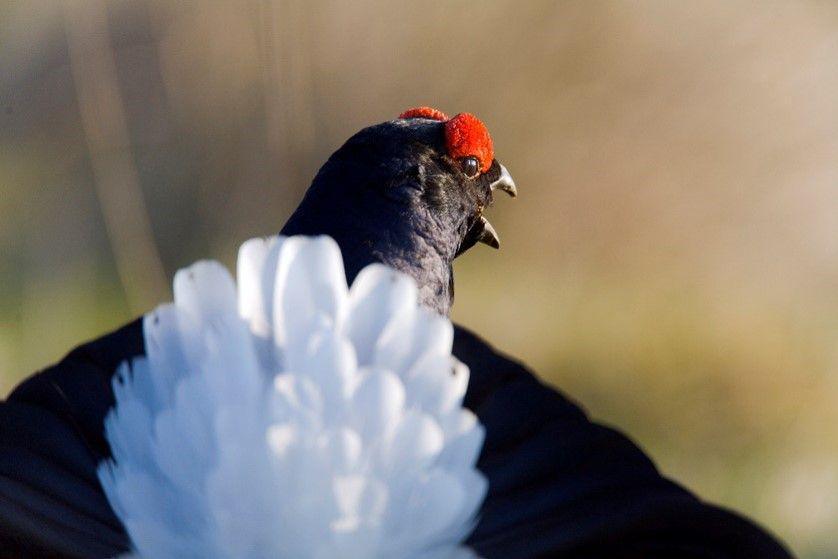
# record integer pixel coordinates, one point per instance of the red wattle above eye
(424, 112)
(466, 135)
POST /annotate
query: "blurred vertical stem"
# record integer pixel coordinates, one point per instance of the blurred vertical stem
(267, 20)
(117, 183)
(284, 31)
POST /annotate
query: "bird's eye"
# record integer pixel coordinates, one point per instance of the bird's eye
(470, 166)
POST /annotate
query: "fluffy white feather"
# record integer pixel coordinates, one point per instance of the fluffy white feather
(293, 417)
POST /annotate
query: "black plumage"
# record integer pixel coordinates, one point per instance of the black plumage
(560, 484)
(392, 194)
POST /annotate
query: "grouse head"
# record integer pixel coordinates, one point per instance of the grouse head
(409, 193)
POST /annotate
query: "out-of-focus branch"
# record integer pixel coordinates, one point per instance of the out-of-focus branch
(269, 51)
(285, 42)
(117, 184)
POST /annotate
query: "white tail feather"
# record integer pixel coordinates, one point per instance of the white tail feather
(294, 417)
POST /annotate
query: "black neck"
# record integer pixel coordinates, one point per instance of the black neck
(402, 244)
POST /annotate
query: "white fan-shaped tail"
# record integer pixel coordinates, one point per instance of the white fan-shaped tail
(291, 416)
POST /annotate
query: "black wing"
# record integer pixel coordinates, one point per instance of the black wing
(560, 485)
(563, 486)
(51, 440)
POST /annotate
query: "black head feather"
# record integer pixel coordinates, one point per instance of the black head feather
(392, 194)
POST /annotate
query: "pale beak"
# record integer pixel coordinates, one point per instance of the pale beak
(487, 234)
(482, 231)
(505, 183)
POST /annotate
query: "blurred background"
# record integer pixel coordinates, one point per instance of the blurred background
(671, 261)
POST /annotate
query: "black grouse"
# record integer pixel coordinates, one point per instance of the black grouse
(409, 193)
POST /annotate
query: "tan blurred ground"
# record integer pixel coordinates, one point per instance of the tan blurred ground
(671, 262)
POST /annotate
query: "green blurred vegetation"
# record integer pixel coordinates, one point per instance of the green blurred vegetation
(671, 262)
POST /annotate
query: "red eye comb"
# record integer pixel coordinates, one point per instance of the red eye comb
(424, 112)
(467, 136)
